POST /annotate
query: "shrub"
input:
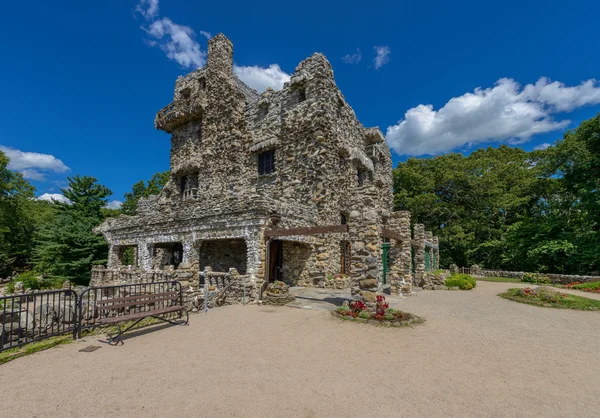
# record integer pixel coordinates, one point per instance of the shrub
(364, 314)
(535, 278)
(462, 281)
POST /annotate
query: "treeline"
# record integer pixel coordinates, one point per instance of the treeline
(502, 208)
(56, 239)
(505, 208)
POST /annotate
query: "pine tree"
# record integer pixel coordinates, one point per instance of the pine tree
(67, 247)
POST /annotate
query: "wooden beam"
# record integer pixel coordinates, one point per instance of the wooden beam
(388, 233)
(309, 230)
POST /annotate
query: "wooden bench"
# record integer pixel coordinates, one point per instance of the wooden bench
(150, 305)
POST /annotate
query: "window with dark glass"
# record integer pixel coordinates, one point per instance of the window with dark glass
(344, 219)
(345, 257)
(266, 162)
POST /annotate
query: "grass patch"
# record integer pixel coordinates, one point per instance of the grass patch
(549, 298)
(499, 279)
(14, 353)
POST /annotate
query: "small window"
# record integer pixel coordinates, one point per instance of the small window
(266, 162)
(344, 219)
(185, 93)
(301, 95)
(345, 257)
(263, 109)
(362, 176)
(202, 83)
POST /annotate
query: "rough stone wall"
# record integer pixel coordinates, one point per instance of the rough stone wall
(400, 254)
(555, 278)
(296, 269)
(221, 255)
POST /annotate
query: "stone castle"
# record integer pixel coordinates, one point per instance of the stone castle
(285, 185)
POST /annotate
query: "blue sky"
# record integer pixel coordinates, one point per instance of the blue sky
(81, 82)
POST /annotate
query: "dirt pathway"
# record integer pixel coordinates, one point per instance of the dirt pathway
(477, 355)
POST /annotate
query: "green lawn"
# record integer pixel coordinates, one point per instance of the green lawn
(567, 302)
(498, 279)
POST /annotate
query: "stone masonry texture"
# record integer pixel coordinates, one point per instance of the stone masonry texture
(242, 163)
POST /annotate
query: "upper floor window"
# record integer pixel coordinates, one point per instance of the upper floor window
(202, 83)
(343, 218)
(185, 93)
(362, 177)
(301, 94)
(266, 162)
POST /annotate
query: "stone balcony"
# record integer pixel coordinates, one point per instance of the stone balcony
(177, 113)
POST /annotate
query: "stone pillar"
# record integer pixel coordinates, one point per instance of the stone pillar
(436, 242)
(400, 253)
(366, 266)
(429, 249)
(145, 251)
(190, 254)
(114, 253)
(419, 245)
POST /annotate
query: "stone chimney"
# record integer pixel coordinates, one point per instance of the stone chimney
(220, 54)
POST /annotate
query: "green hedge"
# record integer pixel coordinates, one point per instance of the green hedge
(462, 281)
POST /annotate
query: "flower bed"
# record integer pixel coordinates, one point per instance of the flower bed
(550, 298)
(382, 314)
(592, 287)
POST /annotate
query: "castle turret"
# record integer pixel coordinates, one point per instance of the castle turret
(220, 54)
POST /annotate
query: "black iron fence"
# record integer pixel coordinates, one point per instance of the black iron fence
(36, 316)
(33, 317)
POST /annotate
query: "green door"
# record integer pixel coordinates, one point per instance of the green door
(385, 256)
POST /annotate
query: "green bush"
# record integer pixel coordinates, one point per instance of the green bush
(535, 278)
(364, 315)
(31, 281)
(462, 281)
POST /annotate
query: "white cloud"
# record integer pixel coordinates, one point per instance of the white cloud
(33, 165)
(505, 112)
(382, 57)
(33, 175)
(54, 197)
(543, 146)
(177, 42)
(148, 8)
(354, 58)
(260, 78)
(114, 204)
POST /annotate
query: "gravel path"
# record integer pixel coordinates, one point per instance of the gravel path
(477, 355)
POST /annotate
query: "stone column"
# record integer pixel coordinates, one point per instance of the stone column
(400, 253)
(255, 259)
(190, 253)
(145, 251)
(114, 253)
(366, 266)
(436, 242)
(429, 248)
(419, 239)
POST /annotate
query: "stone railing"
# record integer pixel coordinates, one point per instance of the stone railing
(176, 113)
(230, 287)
